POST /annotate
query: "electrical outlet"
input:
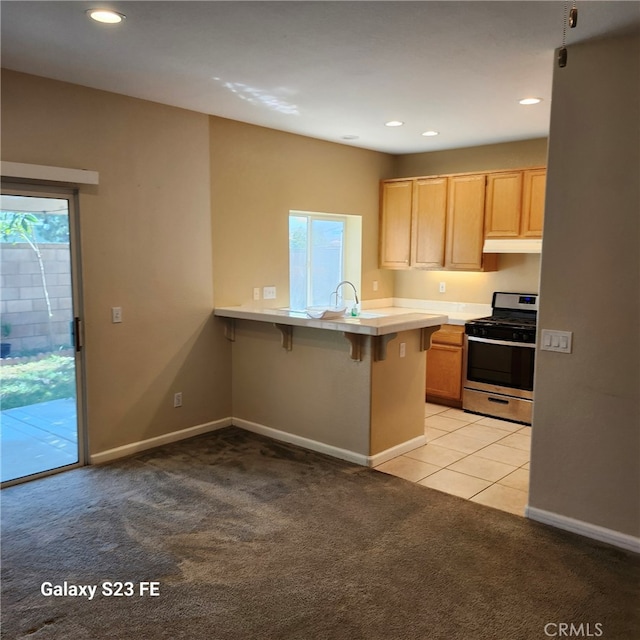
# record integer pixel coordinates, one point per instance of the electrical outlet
(375, 285)
(177, 399)
(443, 287)
(403, 349)
(256, 293)
(269, 293)
(116, 314)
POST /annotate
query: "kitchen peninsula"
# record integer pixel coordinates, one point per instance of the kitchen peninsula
(351, 387)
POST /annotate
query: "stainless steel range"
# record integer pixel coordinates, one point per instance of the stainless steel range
(500, 358)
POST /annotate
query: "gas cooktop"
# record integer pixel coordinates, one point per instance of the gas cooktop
(511, 321)
(514, 318)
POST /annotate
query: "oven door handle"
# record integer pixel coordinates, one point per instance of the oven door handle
(506, 343)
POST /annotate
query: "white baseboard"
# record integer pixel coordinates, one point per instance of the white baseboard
(336, 452)
(398, 450)
(276, 434)
(174, 436)
(305, 443)
(615, 538)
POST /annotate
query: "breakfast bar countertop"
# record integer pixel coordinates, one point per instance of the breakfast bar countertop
(371, 322)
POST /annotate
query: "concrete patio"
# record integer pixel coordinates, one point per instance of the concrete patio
(38, 437)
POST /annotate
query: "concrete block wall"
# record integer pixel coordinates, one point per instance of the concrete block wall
(22, 299)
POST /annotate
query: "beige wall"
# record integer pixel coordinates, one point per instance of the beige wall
(146, 246)
(257, 176)
(315, 391)
(397, 393)
(489, 157)
(516, 272)
(586, 430)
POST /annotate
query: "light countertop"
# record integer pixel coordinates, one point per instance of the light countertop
(378, 317)
(372, 321)
(456, 312)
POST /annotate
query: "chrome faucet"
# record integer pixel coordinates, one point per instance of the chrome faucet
(355, 293)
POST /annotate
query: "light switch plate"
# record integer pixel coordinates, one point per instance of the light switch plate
(116, 314)
(269, 293)
(553, 340)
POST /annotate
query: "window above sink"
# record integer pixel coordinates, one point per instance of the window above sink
(324, 249)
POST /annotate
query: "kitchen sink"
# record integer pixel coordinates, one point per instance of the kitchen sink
(325, 313)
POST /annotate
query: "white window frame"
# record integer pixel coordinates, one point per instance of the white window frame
(351, 247)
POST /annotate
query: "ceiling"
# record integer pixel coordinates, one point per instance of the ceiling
(321, 69)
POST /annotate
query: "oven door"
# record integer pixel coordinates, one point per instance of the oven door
(500, 366)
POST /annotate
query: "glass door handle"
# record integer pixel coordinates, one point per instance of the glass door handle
(76, 332)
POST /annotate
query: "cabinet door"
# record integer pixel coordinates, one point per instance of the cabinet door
(535, 181)
(444, 372)
(430, 214)
(395, 224)
(503, 205)
(465, 222)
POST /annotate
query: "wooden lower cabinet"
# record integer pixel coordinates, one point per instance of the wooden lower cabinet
(444, 366)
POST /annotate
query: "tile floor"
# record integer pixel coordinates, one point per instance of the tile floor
(480, 459)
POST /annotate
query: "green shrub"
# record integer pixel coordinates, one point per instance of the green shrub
(51, 378)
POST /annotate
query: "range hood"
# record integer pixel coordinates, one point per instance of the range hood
(521, 245)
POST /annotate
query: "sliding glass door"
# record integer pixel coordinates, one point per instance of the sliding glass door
(40, 368)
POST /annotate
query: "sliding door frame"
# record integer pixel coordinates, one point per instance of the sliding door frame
(38, 190)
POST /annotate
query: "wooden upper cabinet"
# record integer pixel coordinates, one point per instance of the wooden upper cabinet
(429, 222)
(440, 222)
(515, 204)
(535, 181)
(395, 224)
(503, 210)
(465, 222)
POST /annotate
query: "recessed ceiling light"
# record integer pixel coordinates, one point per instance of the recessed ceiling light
(105, 16)
(429, 134)
(530, 100)
(393, 123)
